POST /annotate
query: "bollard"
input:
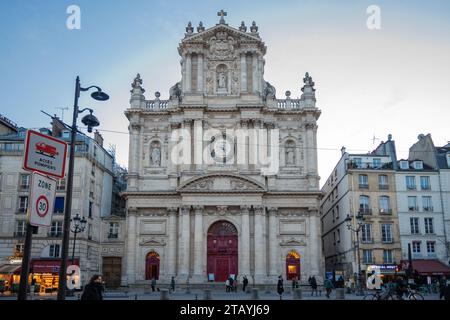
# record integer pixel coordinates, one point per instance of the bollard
(298, 294)
(164, 294)
(340, 294)
(135, 297)
(255, 294)
(207, 294)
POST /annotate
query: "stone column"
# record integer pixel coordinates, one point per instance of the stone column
(184, 242)
(172, 242)
(197, 141)
(314, 238)
(244, 268)
(260, 245)
(310, 145)
(198, 244)
(255, 72)
(188, 72)
(134, 155)
(200, 84)
(243, 73)
(131, 246)
(273, 243)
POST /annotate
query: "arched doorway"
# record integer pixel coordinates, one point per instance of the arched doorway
(152, 266)
(222, 251)
(292, 265)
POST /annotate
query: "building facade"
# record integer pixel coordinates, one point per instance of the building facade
(205, 210)
(92, 190)
(361, 184)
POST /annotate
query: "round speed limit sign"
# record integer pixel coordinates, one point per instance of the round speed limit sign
(42, 206)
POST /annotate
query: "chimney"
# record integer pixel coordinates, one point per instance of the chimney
(98, 138)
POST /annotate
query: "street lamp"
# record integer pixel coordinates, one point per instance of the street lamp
(359, 220)
(79, 224)
(90, 121)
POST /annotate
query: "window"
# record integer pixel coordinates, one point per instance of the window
(364, 204)
(54, 251)
(334, 238)
(429, 225)
(431, 247)
(23, 204)
(387, 256)
(337, 212)
(337, 192)
(93, 169)
(91, 189)
(412, 204)
(384, 205)
(59, 205)
(65, 134)
(358, 162)
(386, 233)
(426, 203)
(416, 246)
(24, 181)
(19, 248)
(20, 228)
(383, 182)
(363, 181)
(90, 231)
(338, 236)
(113, 230)
(404, 165)
(414, 222)
(56, 229)
(376, 163)
(366, 233)
(425, 183)
(367, 256)
(90, 209)
(410, 182)
(418, 165)
(61, 185)
(95, 151)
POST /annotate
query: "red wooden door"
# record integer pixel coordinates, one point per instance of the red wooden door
(222, 256)
(293, 266)
(152, 266)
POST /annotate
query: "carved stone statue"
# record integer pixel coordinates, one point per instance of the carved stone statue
(155, 155)
(222, 80)
(290, 155)
(269, 91)
(175, 91)
(137, 83)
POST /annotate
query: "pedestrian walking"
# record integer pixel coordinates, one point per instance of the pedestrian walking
(94, 289)
(153, 284)
(313, 284)
(227, 285)
(328, 286)
(244, 283)
(280, 288)
(172, 284)
(442, 285)
(447, 290)
(235, 284)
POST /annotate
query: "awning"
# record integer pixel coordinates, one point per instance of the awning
(9, 268)
(430, 267)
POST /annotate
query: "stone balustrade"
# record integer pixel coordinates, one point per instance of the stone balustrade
(156, 104)
(288, 104)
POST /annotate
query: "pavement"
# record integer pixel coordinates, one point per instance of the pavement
(197, 294)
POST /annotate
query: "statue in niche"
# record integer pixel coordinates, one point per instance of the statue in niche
(155, 155)
(290, 154)
(222, 80)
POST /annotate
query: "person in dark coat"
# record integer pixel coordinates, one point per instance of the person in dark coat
(153, 284)
(94, 289)
(244, 283)
(280, 288)
(313, 284)
(172, 284)
(447, 291)
(442, 285)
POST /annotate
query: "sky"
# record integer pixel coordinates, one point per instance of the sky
(369, 83)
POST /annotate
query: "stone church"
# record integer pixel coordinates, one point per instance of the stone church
(201, 204)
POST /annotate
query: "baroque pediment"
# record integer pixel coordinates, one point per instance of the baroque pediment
(293, 242)
(221, 183)
(220, 28)
(153, 242)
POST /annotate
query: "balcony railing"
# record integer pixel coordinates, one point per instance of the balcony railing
(413, 208)
(22, 210)
(364, 186)
(427, 187)
(24, 187)
(385, 211)
(389, 240)
(369, 165)
(427, 208)
(383, 186)
(156, 104)
(19, 234)
(365, 211)
(54, 234)
(113, 235)
(367, 240)
(411, 187)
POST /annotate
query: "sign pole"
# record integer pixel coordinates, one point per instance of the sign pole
(25, 263)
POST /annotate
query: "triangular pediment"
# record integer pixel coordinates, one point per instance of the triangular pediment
(221, 183)
(210, 32)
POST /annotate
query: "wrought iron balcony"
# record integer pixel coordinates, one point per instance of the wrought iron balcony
(369, 165)
(416, 208)
(19, 234)
(113, 235)
(365, 211)
(54, 234)
(385, 211)
(383, 186)
(367, 240)
(364, 186)
(430, 208)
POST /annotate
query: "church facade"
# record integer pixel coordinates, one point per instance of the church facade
(223, 175)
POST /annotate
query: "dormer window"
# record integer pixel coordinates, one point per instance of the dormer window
(418, 165)
(65, 134)
(404, 165)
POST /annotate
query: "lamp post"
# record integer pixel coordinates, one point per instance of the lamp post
(359, 221)
(91, 121)
(79, 224)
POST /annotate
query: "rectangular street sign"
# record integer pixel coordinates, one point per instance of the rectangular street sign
(45, 154)
(42, 198)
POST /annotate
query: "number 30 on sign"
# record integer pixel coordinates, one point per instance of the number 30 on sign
(42, 199)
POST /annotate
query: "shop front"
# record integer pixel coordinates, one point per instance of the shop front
(9, 277)
(427, 272)
(388, 272)
(45, 273)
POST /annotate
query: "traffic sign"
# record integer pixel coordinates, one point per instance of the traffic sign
(42, 197)
(45, 154)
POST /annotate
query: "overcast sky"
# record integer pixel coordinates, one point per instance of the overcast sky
(369, 83)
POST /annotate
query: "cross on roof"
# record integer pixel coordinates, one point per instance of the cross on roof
(221, 14)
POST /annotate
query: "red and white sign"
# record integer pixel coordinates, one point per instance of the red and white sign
(45, 154)
(42, 198)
